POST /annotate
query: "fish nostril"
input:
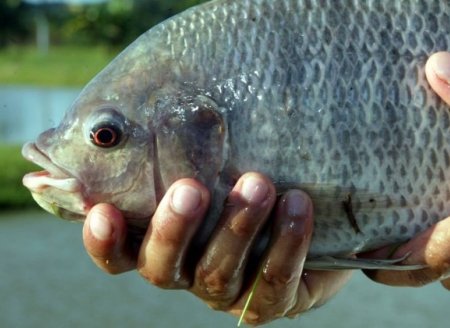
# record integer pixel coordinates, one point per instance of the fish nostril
(44, 140)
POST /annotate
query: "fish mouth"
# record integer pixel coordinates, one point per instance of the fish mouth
(53, 189)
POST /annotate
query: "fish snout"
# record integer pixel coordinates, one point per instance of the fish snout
(45, 139)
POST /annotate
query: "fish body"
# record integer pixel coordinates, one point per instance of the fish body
(327, 96)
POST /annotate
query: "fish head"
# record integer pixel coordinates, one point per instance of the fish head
(131, 132)
(97, 154)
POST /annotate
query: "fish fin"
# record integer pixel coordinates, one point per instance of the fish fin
(331, 201)
(340, 196)
(189, 141)
(334, 263)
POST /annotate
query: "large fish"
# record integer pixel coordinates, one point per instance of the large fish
(328, 96)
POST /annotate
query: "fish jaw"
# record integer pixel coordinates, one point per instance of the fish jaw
(53, 189)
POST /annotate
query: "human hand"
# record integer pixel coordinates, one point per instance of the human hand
(431, 247)
(225, 272)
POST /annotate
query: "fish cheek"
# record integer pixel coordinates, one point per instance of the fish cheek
(123, 176)
(190, 144)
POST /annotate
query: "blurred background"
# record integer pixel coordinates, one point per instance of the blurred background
(48, 51)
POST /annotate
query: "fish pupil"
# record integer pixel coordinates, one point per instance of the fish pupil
(105, 136)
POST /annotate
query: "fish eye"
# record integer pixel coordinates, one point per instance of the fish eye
(105, 128)
(105, 135)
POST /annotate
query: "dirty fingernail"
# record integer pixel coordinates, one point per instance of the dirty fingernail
(100, 227)
(185, 200)
(254, 190)
(442, 66)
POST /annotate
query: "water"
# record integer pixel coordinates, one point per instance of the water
(47, 280)
(27, 111)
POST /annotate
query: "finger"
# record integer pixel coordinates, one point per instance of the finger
(437, 70)
(317, 287)
(282, 268)
(446, 283)
(220, 272)
(104, 237)
(431, 247)
(171, 229)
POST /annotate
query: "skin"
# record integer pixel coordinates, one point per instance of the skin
(222, 275)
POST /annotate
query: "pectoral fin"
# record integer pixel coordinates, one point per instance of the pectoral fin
(332, 263)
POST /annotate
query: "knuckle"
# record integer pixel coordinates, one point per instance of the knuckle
(303, 302)
(258, 317)
(270, 300)
(300, 307)
(278, 279)
(214, 283)
(273, 306)
(243, 229)
(157, 279)
(162, 236)
(246, 223)
(278, 295)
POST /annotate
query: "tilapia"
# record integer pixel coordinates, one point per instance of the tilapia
(326, 96)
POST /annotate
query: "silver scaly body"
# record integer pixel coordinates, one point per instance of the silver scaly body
(328, 96)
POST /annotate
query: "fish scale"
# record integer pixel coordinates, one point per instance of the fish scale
(328, 96)
(387, 95)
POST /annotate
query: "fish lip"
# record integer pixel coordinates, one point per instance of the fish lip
(55, 190)
(51, 176)
(32, 153)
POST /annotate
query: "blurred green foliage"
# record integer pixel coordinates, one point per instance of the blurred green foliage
(67, 65)
(118, 22)
(12, 168)
(115, 22)
(14, 16)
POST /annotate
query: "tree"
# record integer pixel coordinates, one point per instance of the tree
(14, 26)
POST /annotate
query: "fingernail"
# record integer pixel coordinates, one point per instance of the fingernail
(297, 209)
(254, 190)
(101, 228)
(442, 66)
(296, 204)
(185, 200)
